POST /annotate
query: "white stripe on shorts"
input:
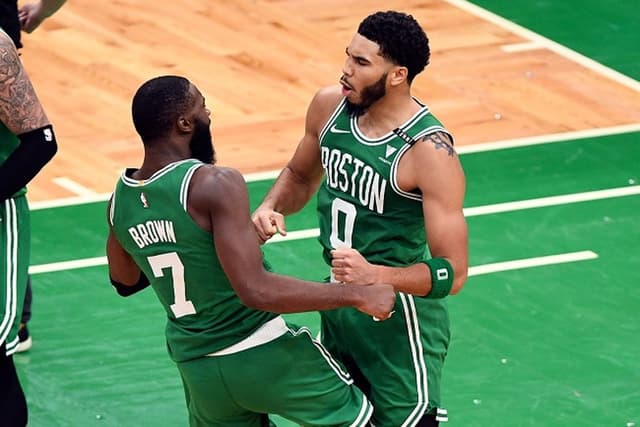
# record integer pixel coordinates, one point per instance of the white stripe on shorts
(11, 281)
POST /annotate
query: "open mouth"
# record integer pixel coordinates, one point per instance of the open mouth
(346, 87)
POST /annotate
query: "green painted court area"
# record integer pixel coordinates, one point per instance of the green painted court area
(606, 31)
(553, 345)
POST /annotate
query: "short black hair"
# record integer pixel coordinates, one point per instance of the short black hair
(157, 105)
(401, 39)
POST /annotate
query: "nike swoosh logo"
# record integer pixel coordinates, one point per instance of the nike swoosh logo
(334, 129)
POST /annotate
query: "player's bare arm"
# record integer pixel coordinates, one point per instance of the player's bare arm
(22, 114)
(20, 109)
(126, 277)
(300, 179)
(221, 193)
(439, 176)
(122, 268)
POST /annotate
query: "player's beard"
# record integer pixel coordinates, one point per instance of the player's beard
(201, 143)
(370, 94)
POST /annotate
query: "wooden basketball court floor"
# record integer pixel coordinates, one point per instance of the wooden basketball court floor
(545, 332)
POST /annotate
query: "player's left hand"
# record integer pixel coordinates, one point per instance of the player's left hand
(349, 266)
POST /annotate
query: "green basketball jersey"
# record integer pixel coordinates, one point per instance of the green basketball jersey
(361, 206)
(8, 143)
(359, 202)
(150, 220)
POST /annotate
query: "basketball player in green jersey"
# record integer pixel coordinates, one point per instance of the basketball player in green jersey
(27, 143)
(390, 210)
(182, 225)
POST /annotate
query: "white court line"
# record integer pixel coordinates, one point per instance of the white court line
(475, 148)
(72, 186)
(531, 262)
(69, 201)
(261, 176)
(547, 43)
(548, 139)
(552, 201)
(508, 143)
(521, 47)
(502, 207)
(474, 211)
(473, 271)
(68, 265)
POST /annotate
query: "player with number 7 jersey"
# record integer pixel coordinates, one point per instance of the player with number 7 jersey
(150, 220)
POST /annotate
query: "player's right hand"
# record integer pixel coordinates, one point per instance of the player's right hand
(31, 16)
(267, 223)
(378, 301)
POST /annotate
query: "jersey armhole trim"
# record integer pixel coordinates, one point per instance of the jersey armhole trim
(112, 208)
(184, 188)
(394, 166)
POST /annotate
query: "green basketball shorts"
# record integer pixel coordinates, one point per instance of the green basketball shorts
(15, 236)
(292, 376)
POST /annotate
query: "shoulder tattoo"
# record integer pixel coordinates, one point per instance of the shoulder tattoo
(441, 141)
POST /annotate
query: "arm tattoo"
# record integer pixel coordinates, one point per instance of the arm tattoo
(20, 109)
(441, 141)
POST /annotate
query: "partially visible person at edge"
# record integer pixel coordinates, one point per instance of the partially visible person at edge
(12, 20)
(182, 225)
(27, 143)
(390, 196)
(26, 18)
(31, 15)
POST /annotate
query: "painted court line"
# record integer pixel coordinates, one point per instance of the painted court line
(68, 265)
(69, 201)
(72, 186)
(521, 47)
(547, 43)
(474, 211)
(507, 143)
(548, 139)
(552, 201)
(473, 271)
(488, 146)
(532, 262)
(503, 207)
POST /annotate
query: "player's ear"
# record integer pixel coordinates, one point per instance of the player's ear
(184, 124)
(398, 75)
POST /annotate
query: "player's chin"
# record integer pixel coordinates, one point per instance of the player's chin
(353, 98)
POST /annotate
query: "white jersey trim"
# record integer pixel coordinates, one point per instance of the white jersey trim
(159, 173)
(112, 208)
(393, 178)
(184, 188)
(363, 139)
(268, 332)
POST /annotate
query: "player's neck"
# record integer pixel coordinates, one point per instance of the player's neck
(387, 114)
(157, 158)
